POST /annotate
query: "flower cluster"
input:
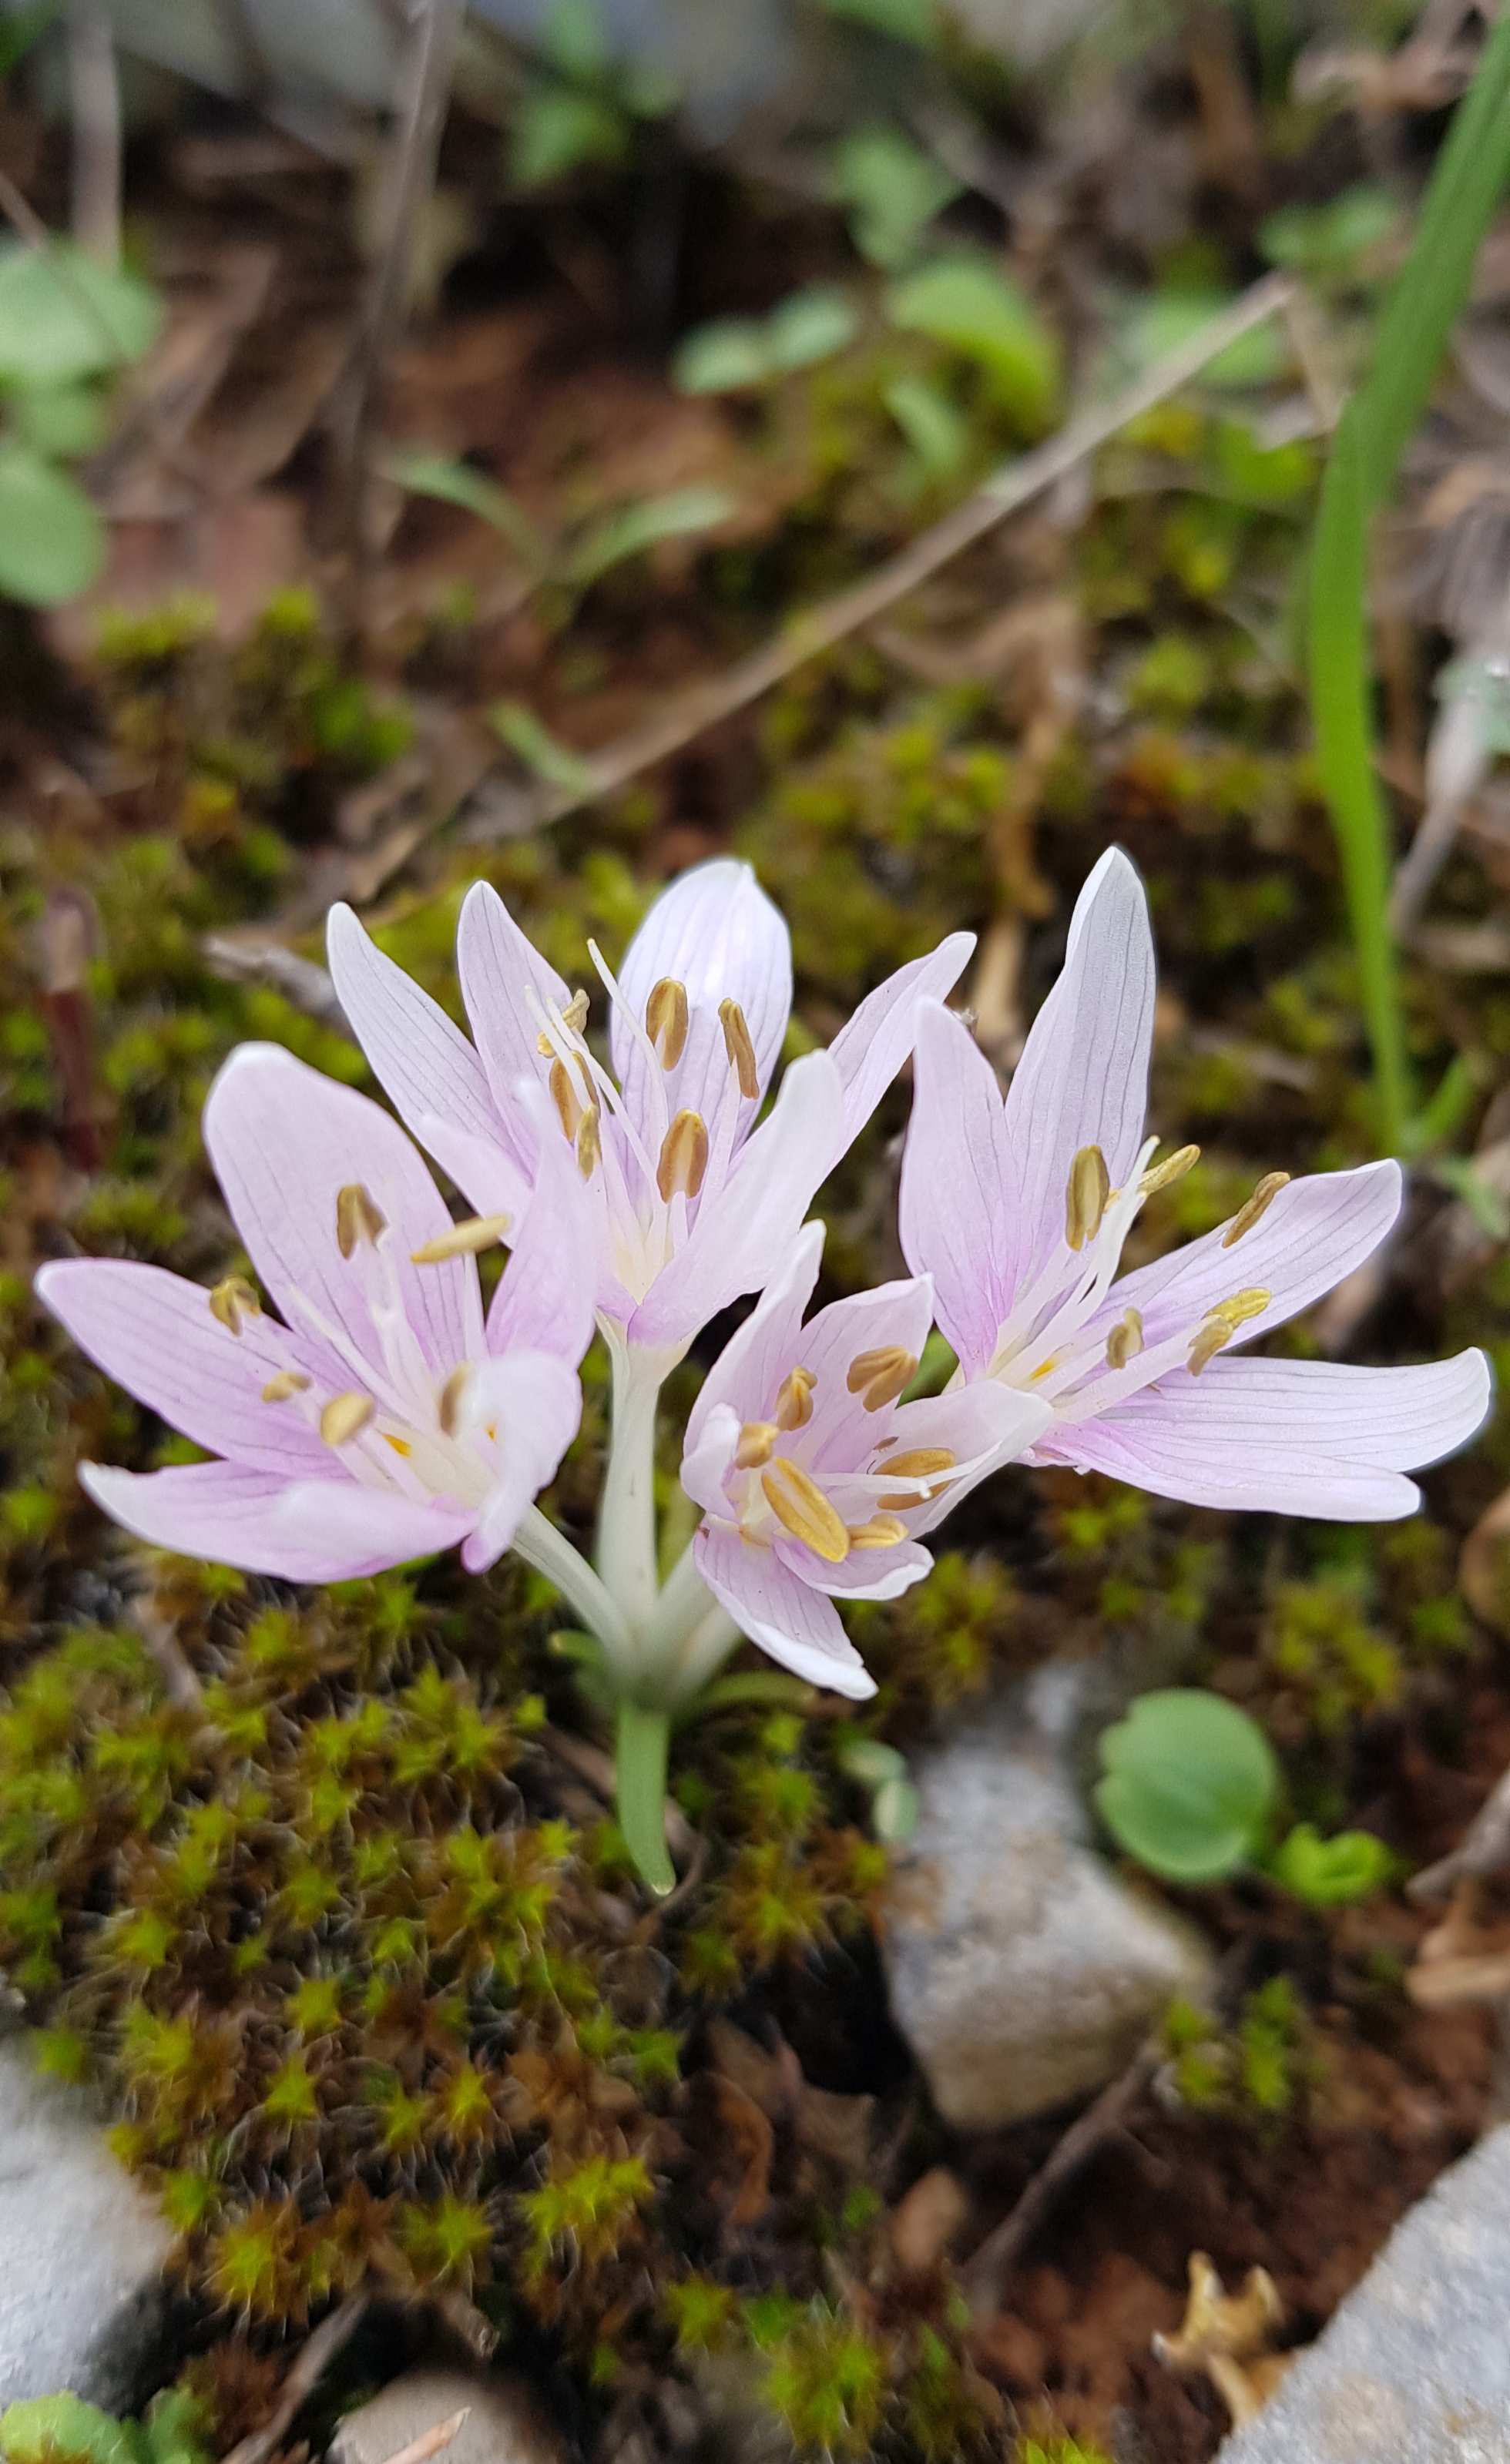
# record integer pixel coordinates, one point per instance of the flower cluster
(364, 1410)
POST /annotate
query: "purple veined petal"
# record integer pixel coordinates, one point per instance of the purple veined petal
(498, 966)
(1084, 1077)
(866, 1575)
(303, 1531)
(708, 1457)
(871, 1048)
(958, 1183)
(425, 1064)
(1312, 1234)
(156, 1335)
(713, 930)
(754, 1218)
(534, 1402)
(483, 1169)
(544, 1301)
(984, 1426)
(759, 1353)
(1263, 1472)
(841, 1429)
(283, 1141)
(792, 1623)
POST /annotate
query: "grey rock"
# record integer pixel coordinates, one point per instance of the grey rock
(83, 2295)
(1414, 2366)
(1023, 1972)
(505, 2423)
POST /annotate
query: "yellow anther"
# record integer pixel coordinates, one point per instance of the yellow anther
(756, 1445)
(358, 1218)
(449, 1401)
(799, 1503)
(666, 1020)
(879, 1376)
(683, 1156)
(1222, 1323)
(344, 1417)
(232, 1300)
(1126, 1340)
(464, 1240)
(922, 1463)
(284, 1384)
(400, 1445)
(739, 1047)
(573, 1018)
(590, 1142)
(1158, 1175)
(565, 1098)
(794, 1399)
(1262, 1199)
(1085, 1197)
(882, 1531)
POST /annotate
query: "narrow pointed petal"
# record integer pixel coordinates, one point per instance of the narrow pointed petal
(1084, 1077)
(424, 1063)
(157, 1336)
(796, 1625)
(284, 1140)
(483, 1169)
(758, 1355)
(327, 1531)
(544, 1301)
(958, 1184)
(867, 1575)
(983, 1427)
(871, 1048)
(755, 1217)
(498, 966)
(534, 1400)
(709, 1453)
(715, 932)
(899, 1314)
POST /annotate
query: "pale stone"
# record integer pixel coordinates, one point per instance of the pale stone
(505, 2423)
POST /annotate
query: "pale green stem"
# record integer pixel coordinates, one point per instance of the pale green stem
(640, 1762)
(687, 1637)
(626, 1550)
(551, 1553)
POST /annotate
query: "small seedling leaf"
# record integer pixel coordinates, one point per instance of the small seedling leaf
(1189, 1787)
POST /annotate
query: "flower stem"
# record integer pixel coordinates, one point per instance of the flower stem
(643, 1739)
(551, 1553)
(627, 1514)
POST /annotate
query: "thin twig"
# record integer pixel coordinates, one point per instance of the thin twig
(303, 982)
(850, 610)
(94, 95)
(1485, 1848)
(302, 2380)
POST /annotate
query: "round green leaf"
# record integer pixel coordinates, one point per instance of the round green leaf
(966, 304)
(63, 318)
(60, 420)
(1189, 1782)
(894, 1811)
(52, 540)
(809, 327)
(1327, 1872)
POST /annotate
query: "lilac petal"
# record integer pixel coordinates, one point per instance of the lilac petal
(958, 1181)
(1312, 1234)
(1084, 1077)
(984, 1426)
(483, 1169)
(544, 1301)
(305, 1531)
(156, 1335)
(283, 1141)
(796, 1625)
(1287, 1437)
(715, 932)
(871, 1048)
(758, 1355)
(708, 1456)
(755, 1216)
(866, 1575)
(424, 1062)
(842, 1431)
(534, 1402)
(498, 966)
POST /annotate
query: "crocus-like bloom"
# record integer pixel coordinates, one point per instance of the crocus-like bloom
(815, 1478)
(382, 1418)
(691, 1200)
(1019, 1213)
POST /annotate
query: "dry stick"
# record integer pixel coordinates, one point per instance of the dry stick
(302, 2379)
(1483, 1850)
(94, 96)
(849, 610)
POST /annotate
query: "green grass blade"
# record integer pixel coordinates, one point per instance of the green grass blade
(643, 1740)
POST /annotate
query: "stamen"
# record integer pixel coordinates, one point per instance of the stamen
(400, 1445)
(284, 1384)
(464, 1240)
(666, 1020)
(449, 1401)
(573, 1018)
(344, 1417)
(1222, 1323)
(1086, 1196)
(683, 1156)
(232, 1300)
(922, 1463)
(882, 1531)
(794, 1399)
(358, 1218)
(1126, 1340)
(739, 1047)
(1262, 1199)
(1173, 1168)
(590, 1142)
(565, 1098)
(756, 1445)
(879, 1376)
(799, 1503)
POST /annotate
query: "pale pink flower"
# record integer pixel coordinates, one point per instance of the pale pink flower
(1019, 1213)
(378, 1417)
(691, 1200)
(815, 1478)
